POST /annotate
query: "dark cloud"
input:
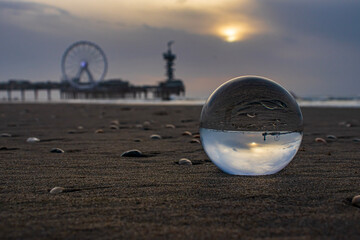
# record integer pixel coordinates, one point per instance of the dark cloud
(311, 47)
(331, 19)
(37, 8)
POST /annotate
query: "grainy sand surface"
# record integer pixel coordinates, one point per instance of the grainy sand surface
(111, 197)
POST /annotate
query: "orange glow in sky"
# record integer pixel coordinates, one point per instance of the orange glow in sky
(194, 16)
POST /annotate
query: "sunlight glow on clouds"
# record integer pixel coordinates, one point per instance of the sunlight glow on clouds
(227, 19)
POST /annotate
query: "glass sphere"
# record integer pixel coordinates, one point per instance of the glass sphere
(251, 125)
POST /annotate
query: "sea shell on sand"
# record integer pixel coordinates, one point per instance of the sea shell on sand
(194, 140)
(132, 153)
(320, 140)
(114, 122)
(356, 201)
(32, 140)
(184, 161)
(5, 135)
(116, 127)
(57, 150)
(333, 137)
(146, 125)
(99, 131)
(57, 190)
(170, 126)
(155, 136)
(187, 133)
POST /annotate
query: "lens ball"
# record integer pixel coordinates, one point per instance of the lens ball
(251, 125)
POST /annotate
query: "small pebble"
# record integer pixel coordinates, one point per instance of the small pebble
(57, 150)
(80, 127)
(348, 125)
(187, 133)
(331, 137)
(99, 131)
(32, 140)
(146, 125)
(137, 140)
(114, 122)
(320, 140)
(194, 140)
(356, 201)
(116, 127)
(132, 153)
(57, 190)
(356, 140)
(185, 161)
(6, 135)
(196, 136)
(155, 136)
(170, 126)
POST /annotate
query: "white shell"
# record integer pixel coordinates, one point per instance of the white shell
(6, 135)
(32, 139)
(155, 136)
(185, 161)
(57, 190)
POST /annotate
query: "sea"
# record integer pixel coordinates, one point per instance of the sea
(322, 101)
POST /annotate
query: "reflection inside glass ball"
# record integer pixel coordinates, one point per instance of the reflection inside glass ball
(251, 126)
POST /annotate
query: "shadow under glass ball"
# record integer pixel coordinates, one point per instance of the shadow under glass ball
(251, 126)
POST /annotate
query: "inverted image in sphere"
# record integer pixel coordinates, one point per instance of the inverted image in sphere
(251, 126)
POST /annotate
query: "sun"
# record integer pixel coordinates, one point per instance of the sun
(230, 34)
(235, 32)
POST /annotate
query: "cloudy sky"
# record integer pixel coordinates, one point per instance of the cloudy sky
(310, 47)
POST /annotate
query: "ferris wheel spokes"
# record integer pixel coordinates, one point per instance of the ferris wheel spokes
(84, 58)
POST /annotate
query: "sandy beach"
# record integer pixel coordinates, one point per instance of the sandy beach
(107, 196)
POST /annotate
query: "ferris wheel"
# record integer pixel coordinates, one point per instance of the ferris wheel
(84, 65)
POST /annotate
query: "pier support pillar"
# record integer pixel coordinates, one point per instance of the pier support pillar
(9, 95)
(22, 95)
(36, 94)
(49, 94)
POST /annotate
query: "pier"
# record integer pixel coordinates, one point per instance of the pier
(108, 89)
(83, 78)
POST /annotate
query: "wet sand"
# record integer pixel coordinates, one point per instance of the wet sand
(151, 197)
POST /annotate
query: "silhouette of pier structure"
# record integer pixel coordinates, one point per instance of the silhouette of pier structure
(84, 67)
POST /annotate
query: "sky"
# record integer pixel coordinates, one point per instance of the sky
(312, 48)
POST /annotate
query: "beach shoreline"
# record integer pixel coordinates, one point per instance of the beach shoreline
(152, 197)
